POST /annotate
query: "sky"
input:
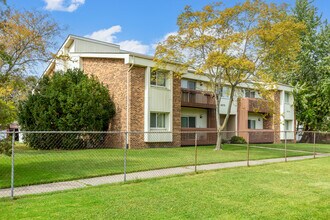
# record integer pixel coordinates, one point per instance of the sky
(136, 25)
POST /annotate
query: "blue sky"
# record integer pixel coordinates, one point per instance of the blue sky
(136, 25)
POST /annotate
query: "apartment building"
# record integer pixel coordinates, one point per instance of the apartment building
(164, 106)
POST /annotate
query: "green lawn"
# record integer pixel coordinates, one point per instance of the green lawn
(320, 148)
(37, 166)
(294, 190)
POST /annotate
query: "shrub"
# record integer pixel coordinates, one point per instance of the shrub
(66, 101)
(5, 146)
(237, 140)
(224, 141)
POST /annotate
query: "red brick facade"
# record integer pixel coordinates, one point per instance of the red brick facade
(113, 73)
(271, 120)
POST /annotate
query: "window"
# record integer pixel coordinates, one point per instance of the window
(188, 84)
(288, 125)
(286, 97)
(251, 124)
(250, 93)
(225, 92)
(157, 120)
(192, 85)
(188, 122)
(158, 78)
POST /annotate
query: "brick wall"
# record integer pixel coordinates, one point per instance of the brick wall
(112, 72)
(271, 121)
(176, 111)
(136, 106)
(277, 116)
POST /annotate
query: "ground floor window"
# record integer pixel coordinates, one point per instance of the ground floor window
(188, 122)
(251, 124)
(157, 120)
(288, 125)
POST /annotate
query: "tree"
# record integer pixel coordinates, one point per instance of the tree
(7, 106)
(312, 78)
(231, 46)
(26, 39)
(66, 101)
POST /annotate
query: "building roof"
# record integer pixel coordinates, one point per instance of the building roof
(109, 49)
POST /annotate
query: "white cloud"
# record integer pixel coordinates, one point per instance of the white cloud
(108, 35)
(134, 46)
(63, 5)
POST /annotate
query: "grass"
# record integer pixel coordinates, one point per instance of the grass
(294, 190)
(320, 148)
(37, 166)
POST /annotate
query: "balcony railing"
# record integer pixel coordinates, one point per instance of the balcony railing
(257, 105)
(208, 136)
(205, 136)
(258, 136)
(199, 99)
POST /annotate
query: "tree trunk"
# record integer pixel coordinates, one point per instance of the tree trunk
(217, 116)
(219, 126)
(219, 138)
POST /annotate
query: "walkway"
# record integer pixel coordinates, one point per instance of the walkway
(95, 181)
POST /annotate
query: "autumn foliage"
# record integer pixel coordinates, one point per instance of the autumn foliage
(252, 42)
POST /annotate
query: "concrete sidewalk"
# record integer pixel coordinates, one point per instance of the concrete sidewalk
(95, 181)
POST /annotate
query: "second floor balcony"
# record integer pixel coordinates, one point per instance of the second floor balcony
(197, 99)
(256, 105)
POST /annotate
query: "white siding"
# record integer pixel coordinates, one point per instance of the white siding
(224, 104)
(200, 114)
(258, 118)
(287, 113)
(90, 47)
(158, 99)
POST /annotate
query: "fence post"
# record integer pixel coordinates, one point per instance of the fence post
(248, 150)
(12, 165)
(314, 148)
(285, 147)
(125, 155)
(195, 152)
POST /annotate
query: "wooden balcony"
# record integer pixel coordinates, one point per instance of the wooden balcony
(257, 105)
(261, 136)
(197, 99)
(206, 136)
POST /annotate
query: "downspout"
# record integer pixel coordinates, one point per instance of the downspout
(127, 101)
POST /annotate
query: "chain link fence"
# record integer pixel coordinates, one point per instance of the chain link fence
(36, 162)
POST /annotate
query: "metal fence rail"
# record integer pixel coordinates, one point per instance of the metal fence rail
(69, 159)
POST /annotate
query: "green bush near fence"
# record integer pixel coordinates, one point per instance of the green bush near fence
(66, 101)
(237, 140)
(5, 146)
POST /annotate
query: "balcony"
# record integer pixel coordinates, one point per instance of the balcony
(206, 136)
(260, 136)
(256, 105)
(197, 99)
